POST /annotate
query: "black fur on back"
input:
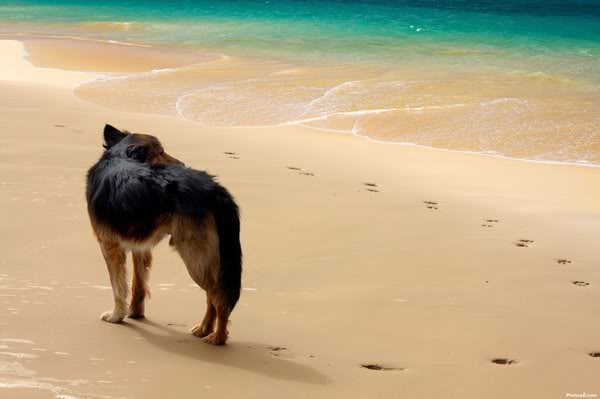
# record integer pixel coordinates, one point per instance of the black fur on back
(133, 198)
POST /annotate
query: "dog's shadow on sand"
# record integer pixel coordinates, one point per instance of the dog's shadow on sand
(249, 356)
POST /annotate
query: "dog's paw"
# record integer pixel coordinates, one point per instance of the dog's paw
(216, 339)
(135, 315)
(108, 316)
(200, 331)
(136, 310)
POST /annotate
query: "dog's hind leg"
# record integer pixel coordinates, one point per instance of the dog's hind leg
(142, 262)
(114, 255)
(207, 326)
(198, 246)
(219, 337)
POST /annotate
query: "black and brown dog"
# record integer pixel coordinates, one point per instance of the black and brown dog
(137, 194)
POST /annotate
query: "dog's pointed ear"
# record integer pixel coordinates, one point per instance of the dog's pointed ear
(112, 136)
(137, 152)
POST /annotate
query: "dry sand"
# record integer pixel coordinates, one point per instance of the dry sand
(338, 274)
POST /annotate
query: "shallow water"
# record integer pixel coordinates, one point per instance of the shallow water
(517, 78)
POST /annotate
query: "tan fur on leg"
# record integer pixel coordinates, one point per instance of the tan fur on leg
(114, 255)
(219, 337)
(198, 246)
(142, 262)
(207, 326)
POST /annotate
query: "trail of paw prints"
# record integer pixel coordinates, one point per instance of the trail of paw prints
(581, 283)
(371, 187)
(504, 361)
(283, 352)
(433, 205)
(301, 172)
(232, 155)
(380, 367)
(490, 223)
(524, 243)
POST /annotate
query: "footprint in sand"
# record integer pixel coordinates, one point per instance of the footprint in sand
(232, 155)
(371, 187)
(563, 261)
(379, 367)
(63, 126)
(300, 169)
(581, 283)
(490, 223)
(504, 361)
(277, 351)
(431, 205)
(524, 243)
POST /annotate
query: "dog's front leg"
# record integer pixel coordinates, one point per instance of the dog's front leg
(114, 255)
(142, 261)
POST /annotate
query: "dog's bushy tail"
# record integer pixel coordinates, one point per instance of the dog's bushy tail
(227, 219)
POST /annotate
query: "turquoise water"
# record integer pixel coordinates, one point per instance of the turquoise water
(381, 30)
(517, 77)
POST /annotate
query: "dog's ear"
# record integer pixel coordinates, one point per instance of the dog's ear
(137, 152)
(112, 136)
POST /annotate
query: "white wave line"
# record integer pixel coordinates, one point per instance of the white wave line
(503, 100)
(581, 163)
(17, 340)
(107, 76)
(328, 92)
(83, 38)
(368, 112)
(16, 355)
(179, 103)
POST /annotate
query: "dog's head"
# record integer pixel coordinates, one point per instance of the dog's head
(139, 147)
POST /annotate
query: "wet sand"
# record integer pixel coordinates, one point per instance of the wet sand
(518, 108)
(371, 270)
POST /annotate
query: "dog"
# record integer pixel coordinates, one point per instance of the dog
(137, 194)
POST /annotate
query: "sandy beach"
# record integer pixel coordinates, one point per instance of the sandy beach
(429, 264)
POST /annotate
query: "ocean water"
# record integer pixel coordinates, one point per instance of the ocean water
(519, 78)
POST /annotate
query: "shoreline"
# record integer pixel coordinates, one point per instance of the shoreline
(104, 77)
(17, 69)
(373, 140)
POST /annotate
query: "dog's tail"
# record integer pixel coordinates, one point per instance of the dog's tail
(227, 219)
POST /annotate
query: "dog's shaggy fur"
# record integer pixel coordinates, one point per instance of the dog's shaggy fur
(137, 194)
